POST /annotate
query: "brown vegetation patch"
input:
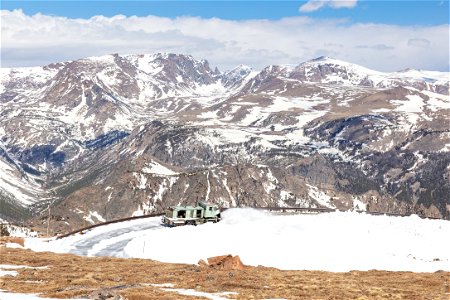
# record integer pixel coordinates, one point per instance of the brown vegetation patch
(69, 276)
(11, 239)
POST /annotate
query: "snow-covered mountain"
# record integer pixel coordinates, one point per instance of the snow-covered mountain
(111, 136)
(332, 71)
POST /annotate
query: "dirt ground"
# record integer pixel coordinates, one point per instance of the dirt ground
(71, 276)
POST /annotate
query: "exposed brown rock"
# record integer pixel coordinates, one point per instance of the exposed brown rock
(226, 262)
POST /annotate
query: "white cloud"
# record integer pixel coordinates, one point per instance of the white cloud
(311, 6)
(41, 39)
(314, 5)
(343, 3)
(424, 43)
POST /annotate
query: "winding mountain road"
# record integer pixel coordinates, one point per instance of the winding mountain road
(110, 241)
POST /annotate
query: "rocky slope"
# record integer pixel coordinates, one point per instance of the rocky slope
(113, 136)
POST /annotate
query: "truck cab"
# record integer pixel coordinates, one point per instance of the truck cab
(211, 211)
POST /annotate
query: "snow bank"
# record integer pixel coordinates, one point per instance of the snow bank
(331, 242)
(334, 242)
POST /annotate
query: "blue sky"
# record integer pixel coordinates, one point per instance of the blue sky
(388, 12)
(381, 35)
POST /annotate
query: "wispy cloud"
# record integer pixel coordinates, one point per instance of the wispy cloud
(376, 47)
(423, 43)
(42, 39)
(314, 5)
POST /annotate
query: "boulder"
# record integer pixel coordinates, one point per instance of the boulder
(226, 262)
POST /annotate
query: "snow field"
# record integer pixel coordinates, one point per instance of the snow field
(336, 242)
(333, 242)
(69, 244)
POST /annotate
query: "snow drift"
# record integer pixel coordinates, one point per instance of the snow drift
(331, 241)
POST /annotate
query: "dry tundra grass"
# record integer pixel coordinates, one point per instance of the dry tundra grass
(71, 276)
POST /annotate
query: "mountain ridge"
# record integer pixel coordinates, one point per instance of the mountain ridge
(294, 135)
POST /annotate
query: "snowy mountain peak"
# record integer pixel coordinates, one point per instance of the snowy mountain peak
(237, 76)
(325, 60)
(238, 72)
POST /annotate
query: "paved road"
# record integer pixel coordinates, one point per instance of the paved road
(111, 242)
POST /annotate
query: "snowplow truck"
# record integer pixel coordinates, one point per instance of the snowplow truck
(191, 215)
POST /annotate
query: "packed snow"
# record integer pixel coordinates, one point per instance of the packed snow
(330, 241)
